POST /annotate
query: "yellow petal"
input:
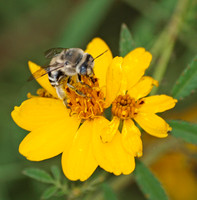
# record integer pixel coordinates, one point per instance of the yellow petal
(110, 130)
(142, 88)
(134, 65)
(78, 162)
(96, 47)
(131, 138)
(124, 83)
(43, 81)
(153, 124)
(39, 111)
(114, 77)
(157, 103)
(111, 156)
(49, 140)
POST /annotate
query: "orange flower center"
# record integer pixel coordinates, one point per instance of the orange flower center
(125, 107)
(87, 100)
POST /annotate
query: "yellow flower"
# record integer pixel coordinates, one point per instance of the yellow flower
(129, 103)
(75, 133)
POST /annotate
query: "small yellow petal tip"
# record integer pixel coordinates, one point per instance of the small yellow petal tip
(33, 66)
(30, 62)
(29, 95)
(175, 100)
(15, 112)
(139, 154)
(156, 83)
(169, 129)
(97, 39)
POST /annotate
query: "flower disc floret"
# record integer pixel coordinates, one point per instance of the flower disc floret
(125, 107)
(88, 104)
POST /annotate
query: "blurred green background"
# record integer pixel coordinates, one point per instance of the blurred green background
(29, 27)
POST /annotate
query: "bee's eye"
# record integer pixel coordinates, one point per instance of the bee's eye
(83, 70)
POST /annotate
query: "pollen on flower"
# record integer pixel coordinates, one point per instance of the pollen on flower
(43, 93)
(88, 100)
(125, 107)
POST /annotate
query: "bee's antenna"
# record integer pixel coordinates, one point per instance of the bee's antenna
(100, 55)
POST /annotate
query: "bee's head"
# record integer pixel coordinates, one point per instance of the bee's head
(86, 67)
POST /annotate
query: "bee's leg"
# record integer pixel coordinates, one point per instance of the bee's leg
(60, 91)
(62, 94)
(77, 91)
(79, 80)
(93, 79)
(73, 88)
(66, 103)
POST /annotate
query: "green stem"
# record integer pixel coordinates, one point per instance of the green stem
(168, 36)
(86, 188)
(158, 45)
(162, 65)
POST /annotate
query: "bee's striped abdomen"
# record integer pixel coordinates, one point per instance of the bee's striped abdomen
(55, 77)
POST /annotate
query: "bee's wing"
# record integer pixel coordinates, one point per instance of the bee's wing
(53, 52)
(39, 73)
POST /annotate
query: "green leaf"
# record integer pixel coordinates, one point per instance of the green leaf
(187, 82)
(49, 192)
(56, 172)
(85, 20)
(39, 175)
(61, 193)
(108, 192)
(148, 183)
(185, 130)
(126, 41)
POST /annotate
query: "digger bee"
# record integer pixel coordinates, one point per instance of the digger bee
(64, 64)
